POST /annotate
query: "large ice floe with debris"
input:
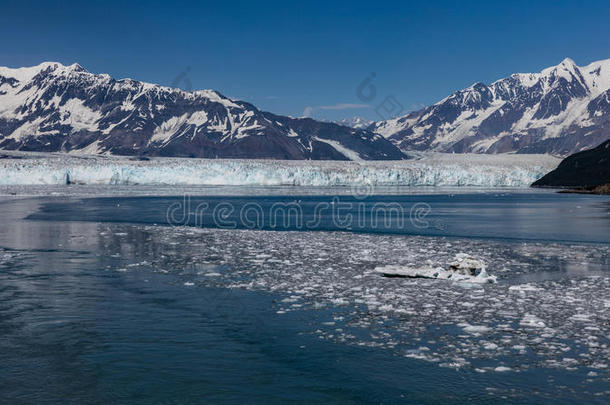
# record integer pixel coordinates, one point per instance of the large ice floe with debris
(463, 268)
(425, 169)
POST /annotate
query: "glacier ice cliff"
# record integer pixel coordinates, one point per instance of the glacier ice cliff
(426, 169)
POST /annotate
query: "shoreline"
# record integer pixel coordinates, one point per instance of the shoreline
(603, 189)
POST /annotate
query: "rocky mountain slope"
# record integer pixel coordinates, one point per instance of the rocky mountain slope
(52, 107)
(586, 170)
(561, 110)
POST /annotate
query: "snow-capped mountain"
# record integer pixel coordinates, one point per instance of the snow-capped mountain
(561, 110)
(52, 107)
(355, 122)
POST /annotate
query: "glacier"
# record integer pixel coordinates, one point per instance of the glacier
(424, 169)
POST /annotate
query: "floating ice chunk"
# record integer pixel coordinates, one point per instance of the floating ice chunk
(483, 277)
(581, 317)
(474, 329)
(463, 268)
(339, 301)
(532, 321)
(416, 354)
(523, 288)
(599, 366)
(457, 364)
(466, 265)
(414, 272)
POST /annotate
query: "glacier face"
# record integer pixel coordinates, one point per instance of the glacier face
(561, 110)
(426, 169)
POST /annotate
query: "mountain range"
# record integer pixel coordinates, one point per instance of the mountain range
(561, 110)
(52, 107)
(55, 108)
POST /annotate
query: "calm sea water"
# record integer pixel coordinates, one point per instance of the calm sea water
(523, 216)
(96, 303)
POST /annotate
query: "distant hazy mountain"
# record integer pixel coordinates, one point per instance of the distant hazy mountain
(355, 122)
(561, 110)
(586, 169)
(52, 107)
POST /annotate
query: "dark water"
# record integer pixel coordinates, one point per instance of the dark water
(527, 216)
(74, 330)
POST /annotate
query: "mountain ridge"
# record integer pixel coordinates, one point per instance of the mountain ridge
(56, 108)
(561, 110)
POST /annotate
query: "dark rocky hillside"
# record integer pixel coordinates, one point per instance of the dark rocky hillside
(584, 170)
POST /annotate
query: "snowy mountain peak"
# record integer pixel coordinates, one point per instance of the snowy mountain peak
(354, 122)
(52, 107)
(24, 74)
(561, 110)
(77, 68)
(567, 65)
(567, 70)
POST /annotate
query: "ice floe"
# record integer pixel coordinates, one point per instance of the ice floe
(463, 267)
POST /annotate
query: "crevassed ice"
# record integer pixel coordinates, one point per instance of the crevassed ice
(424, 170)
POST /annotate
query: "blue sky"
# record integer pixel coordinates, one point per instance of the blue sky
(309, 57)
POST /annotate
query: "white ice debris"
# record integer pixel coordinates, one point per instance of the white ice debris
(474, 329)
(463, 268)
(333, 274)
(21, 168)
(523, 288)
(532, 321)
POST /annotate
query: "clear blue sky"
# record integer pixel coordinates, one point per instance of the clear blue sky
(286, 57)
